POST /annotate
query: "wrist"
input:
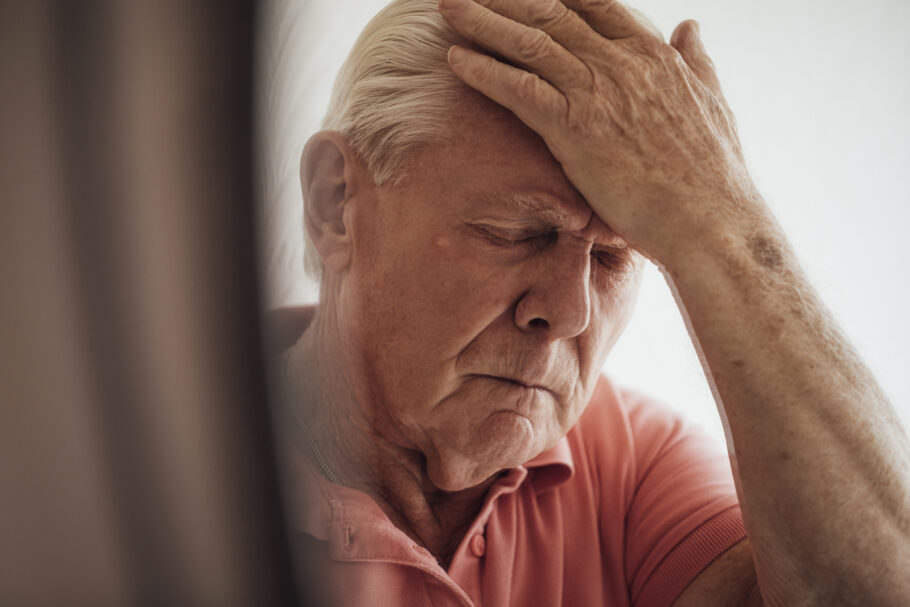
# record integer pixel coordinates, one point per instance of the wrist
(737, 233)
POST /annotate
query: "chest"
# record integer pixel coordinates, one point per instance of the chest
(527, 550)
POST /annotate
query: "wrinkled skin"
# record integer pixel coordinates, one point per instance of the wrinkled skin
(640, 127)
(485, 324)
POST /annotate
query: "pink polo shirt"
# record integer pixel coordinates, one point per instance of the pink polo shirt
(626, 510)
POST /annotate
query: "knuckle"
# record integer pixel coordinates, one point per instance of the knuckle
(579, 121)
(552, 105)
(652, 47)
(588, 79)
(580, 77)
(527, 87)
(575, 123)
(546, 12)
(593, 5)
(627, 64)
(666, 53)
(480, 21)
(679, 62)
(533, 45)
(485, 71)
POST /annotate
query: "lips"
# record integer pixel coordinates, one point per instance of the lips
(516, 381)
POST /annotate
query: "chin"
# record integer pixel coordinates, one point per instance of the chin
(460, 478)
(506, 440)
(450, 481)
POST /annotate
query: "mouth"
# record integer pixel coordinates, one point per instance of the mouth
(515, 382)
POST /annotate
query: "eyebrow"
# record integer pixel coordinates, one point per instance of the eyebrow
(543, 206)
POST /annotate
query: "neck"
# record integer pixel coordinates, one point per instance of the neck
(332, 400)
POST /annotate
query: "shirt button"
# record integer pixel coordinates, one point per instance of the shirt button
(478, 545)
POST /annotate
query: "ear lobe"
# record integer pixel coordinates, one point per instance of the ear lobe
(329, 173)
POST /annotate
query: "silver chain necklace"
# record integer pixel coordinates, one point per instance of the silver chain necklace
(306, 431)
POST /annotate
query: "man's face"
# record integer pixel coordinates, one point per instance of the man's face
(484, 295)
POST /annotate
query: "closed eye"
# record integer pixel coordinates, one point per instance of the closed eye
(507, 237)
(613, 260)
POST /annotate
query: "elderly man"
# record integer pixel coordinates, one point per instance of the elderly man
(492, 177)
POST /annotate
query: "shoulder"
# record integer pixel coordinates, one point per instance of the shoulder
(665, 489)
(626, 441)
(635, 410)
(649, 446)
(620, 419)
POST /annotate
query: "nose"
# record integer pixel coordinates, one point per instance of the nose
(558, 300)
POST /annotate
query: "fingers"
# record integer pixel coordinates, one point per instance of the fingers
(611, 19)
(531, 99)
(551, 16)
(687, 41)
(530, 47)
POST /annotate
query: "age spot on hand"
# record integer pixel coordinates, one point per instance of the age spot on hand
(766, 252)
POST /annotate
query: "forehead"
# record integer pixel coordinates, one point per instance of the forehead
(502, 169)
(485, 132)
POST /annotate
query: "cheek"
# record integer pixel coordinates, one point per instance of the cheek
(611, 311)
(424, 300)
(464, 285)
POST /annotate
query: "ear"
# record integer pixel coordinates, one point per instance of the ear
(331, 175)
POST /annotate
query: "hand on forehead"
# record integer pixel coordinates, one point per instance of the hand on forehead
(529, 185)
(640, 127)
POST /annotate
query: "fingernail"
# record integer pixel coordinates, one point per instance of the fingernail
(456, 55)
(450, 5)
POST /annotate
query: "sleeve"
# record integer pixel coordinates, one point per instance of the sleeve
(683, 512)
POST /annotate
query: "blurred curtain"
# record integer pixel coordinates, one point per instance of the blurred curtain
(136, 462)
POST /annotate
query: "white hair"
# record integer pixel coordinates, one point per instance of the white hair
(395, 92)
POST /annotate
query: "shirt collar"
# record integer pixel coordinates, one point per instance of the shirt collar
(317, 502)
(553, 467)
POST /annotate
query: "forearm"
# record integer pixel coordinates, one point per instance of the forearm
(821, 461)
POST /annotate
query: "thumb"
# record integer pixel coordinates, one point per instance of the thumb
(686, 39)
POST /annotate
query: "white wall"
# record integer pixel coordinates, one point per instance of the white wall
(821, 91)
